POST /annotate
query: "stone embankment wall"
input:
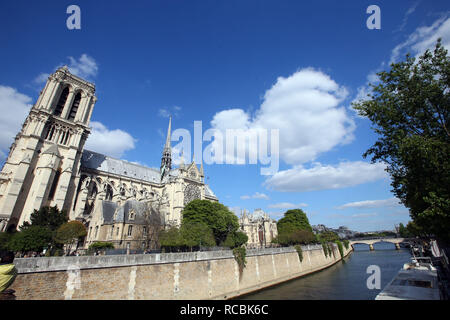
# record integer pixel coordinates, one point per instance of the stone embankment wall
(193, 275)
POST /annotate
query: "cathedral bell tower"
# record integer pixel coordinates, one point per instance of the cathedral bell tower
(166, 160)
(42, 168)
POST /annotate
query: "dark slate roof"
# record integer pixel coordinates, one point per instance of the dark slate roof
(112, 213)
(209, 192)
(100, 162)
(109, 208)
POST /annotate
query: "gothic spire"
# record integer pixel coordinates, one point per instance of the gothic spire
(166, 160)
(167, 145)
(202, 173)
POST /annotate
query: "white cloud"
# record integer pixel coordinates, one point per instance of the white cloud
(235, 210)
(424, 38)
(421, 39)
(322, 177)
(363, 215)
(109, 142)
(14, 108)
(305, 109)
(363, 92)
(42, 78)
(286, 205)
(166, 112)
(392, 202)
(85, 67)
(257, 195)
(410, 11)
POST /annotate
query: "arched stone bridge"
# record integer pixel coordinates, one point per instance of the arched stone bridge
(372, 241)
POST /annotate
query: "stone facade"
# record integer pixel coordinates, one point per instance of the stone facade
(187, 276)
(259, 228)
(48, 166)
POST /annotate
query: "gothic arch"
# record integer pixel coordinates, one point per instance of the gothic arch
(109, 192)
(75, 105)
(61, 100)
(93, 189)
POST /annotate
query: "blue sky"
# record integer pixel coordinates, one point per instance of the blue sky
(288, 64)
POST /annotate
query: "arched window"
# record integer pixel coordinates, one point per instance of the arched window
(61, 102)
(109, 193)
(51, 195)
(75, 105)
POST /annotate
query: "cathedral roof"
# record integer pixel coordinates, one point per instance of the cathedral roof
(209, 192)
(100, 162)
(113, 213)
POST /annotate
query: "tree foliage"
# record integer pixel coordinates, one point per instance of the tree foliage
(196, 235)
(5, 238)
(33, 238)
(49, 217)
(204, 224)
(70, 232)
(295, 237)
(235, 239)
(328, 236)
(340, 248)
(189, 236)
(101, 246)
(294, 219)
(38, 234)
(212, 214)
(294, 228)
(409, 109)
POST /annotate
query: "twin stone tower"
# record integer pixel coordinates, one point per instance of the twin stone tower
(47, 165)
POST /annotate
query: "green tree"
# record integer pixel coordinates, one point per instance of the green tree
(303, 237)
(5, 238)
(100, 246)
(214, 215)
(403, 232)
(33, 238)
(171, 239)
(294, 219)
(235, 239)
(196, 235)
(294, 228)
(414, 230)
(328, 236)
(409, 109)
(70, 233)
(49, 217)
(340, 248)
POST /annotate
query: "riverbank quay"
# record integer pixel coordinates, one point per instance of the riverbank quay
(170, 276)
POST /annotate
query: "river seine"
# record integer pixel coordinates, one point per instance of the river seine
(346, 280)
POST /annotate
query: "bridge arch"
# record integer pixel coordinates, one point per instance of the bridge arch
(372, 241)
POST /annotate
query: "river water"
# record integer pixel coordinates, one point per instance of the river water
(346, 280)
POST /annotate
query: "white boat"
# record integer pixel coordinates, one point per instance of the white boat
(417, 280)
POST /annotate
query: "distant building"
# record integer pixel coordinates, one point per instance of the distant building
(343, 232)
(319, 228)
(259, 228)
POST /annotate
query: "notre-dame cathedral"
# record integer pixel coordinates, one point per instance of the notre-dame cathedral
(47, 165)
